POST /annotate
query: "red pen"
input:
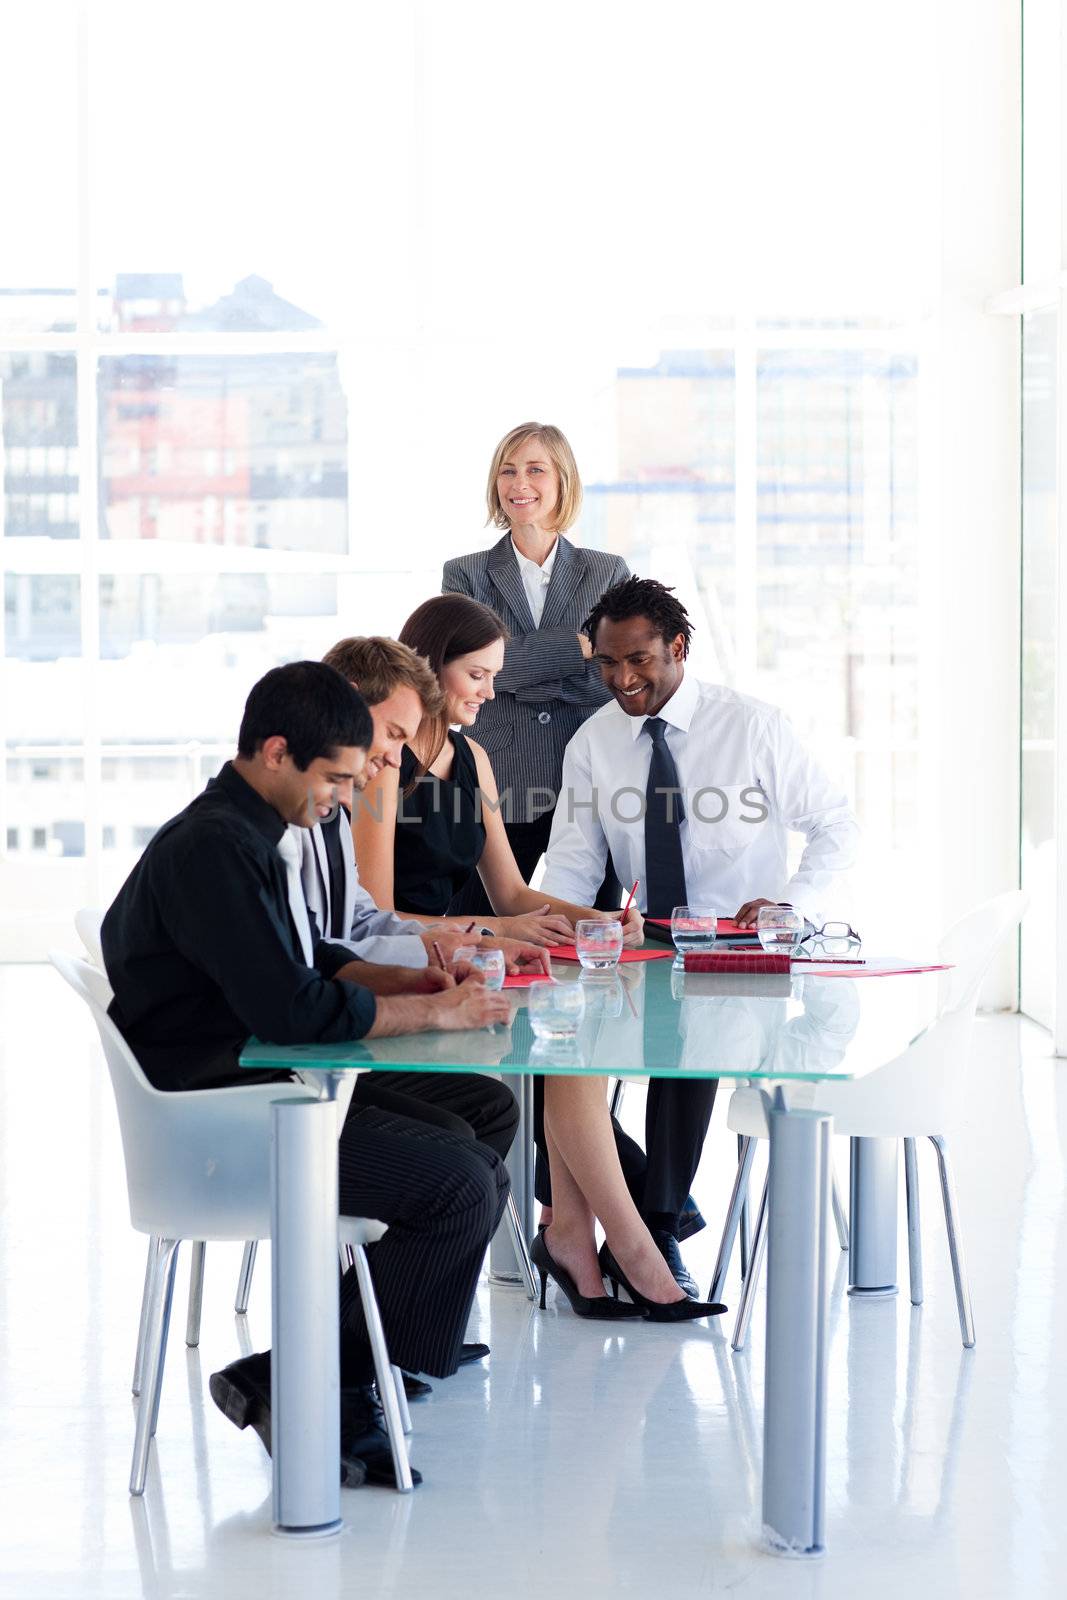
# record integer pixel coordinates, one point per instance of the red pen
(630, 902)
(470, 926)
(438, 953)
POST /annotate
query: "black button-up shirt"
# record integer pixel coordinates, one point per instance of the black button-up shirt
(201, 950)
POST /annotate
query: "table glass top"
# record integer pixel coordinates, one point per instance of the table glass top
(653, 1020)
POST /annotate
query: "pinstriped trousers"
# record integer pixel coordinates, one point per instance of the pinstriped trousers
(442, 1196)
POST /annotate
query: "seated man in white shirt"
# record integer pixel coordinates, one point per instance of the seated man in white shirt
(694, 789)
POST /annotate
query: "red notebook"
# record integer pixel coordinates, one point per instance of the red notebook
(734, 961)
(727, 928)
(567, 952)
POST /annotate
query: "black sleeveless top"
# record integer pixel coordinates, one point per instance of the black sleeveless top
(439, 833)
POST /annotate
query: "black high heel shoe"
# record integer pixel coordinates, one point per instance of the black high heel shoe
(599, 1306)
(674, 1311)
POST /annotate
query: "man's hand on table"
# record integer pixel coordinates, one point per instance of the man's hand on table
(746, 916)
(469, 1004)
(387, 980)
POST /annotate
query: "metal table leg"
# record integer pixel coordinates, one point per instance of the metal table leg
(504, 1266)
(305, 1384)
(794, 1422)
(872, 1256)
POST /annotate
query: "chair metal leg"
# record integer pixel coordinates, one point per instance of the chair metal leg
(520, 1247)
(748, 1293)
(840, 1216)
(745, 1231)
(616, 1095)
(196, 1294)
(402, 1398)
(155, 1392)
(955, 1243)
(915, 1242)
(146, 1295)
(733, 1218)
(244, 1277)
(384, 1371)
(160, 1292)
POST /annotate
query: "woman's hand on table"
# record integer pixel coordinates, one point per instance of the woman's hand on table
(544, 927)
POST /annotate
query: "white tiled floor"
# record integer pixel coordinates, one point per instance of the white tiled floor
(577, 1462)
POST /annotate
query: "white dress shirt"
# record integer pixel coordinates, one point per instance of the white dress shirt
(289, 848)
(746, 781)
(535, 579)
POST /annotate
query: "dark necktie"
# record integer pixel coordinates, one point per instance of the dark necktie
(331, 838)
(664, 814)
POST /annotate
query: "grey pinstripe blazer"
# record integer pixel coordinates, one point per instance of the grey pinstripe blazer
(546, 688)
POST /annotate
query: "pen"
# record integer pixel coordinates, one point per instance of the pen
(440, 957)
(470, 926)
(630, 902)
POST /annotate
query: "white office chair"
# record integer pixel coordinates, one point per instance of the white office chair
(87, 921)
(198, 1167)
(912, 1097)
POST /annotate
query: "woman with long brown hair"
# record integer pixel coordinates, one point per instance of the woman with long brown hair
(422, 831)
(419, 832)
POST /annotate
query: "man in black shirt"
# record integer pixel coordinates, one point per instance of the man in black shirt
(209, 941)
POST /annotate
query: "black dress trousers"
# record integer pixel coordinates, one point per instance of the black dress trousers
(442, 1195)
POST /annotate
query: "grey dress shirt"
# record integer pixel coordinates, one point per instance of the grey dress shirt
(370, 934)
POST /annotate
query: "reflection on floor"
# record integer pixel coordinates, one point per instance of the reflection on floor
(577, 1461)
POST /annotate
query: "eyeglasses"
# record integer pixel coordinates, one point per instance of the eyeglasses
(833, 938)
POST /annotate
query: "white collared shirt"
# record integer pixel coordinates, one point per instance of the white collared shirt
(746, 781)
(535, 579)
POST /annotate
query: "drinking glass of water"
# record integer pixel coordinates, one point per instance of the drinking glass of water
(693, 928)
(598, 942)
(490, 963)
(780, 929)
(556, 1009)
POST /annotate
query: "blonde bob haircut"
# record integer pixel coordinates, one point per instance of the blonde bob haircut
(562, 457)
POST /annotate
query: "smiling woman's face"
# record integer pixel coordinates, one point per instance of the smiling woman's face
(528, 485)
(468, 682)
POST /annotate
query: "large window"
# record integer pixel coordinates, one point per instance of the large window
(264, 314)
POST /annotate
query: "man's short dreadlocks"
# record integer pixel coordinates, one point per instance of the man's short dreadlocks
(642, 597)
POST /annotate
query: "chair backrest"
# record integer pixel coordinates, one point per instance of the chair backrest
(88, 921)
(918, 1092)
(971, 945)
(197, 1161)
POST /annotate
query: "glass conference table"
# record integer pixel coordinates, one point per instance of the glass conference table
(645, 1020)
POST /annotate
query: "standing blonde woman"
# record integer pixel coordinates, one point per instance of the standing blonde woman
(542, 587)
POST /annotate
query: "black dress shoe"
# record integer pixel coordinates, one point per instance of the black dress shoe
(418, 1388)
(363, 1436)
(415, 1388)
(242, 1392)
(655, 1310)
(667, 1245)
(690, 1221)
